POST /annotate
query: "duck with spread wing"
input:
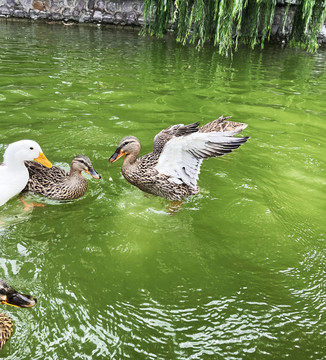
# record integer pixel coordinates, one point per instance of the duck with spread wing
(172, 169)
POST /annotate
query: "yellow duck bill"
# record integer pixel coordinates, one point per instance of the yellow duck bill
(43, 160)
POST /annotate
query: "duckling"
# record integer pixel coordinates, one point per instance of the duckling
(171, 170)
(13, 173)
(58, 184)
(11, 297)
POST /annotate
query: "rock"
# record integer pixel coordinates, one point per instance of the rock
(11, 3)
(91, 4)
(5, 10)
(19, 13)
(38, 5)
(97, 16)
(108, 19)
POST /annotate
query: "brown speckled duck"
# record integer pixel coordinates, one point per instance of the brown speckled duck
(172, 169)
(58, 184)
(11, 297)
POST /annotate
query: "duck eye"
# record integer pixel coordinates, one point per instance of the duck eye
(31, 148)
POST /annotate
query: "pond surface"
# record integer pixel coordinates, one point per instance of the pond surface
(237, 273)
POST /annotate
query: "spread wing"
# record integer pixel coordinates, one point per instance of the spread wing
(182, 156)
(175, 130)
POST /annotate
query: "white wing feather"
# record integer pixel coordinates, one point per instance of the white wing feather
(182, 157)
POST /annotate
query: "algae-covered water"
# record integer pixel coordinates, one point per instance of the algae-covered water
(237, 273)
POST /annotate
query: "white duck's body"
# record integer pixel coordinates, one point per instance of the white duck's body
(13, 179)
(13, 172)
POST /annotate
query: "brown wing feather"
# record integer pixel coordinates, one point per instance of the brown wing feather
(220, 125)
(167, 134)
(40, 175)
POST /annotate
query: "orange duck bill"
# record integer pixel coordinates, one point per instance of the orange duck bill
(43, 160)
(93, 173)
(117, 155)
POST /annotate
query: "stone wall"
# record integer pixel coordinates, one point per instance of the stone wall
(116, 12)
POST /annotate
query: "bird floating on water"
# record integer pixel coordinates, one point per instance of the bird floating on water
(11, 297)
(13, 172)
(58, 184)
(171, 170)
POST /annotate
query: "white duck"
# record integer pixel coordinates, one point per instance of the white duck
(13, 172)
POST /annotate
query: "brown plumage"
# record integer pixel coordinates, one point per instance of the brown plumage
(10, 296)
(172, 169)
(58, 184)
(6, 329)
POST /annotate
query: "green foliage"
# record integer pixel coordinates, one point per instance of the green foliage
(226, 23)
(307, 22)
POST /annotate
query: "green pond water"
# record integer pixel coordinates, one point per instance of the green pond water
(237, 273)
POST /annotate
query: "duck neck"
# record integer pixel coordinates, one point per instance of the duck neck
(130, 159)
(12, 164)
(76, 175)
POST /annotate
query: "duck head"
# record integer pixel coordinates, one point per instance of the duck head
(82, 163)
(23, 150)
(10, 296)
(129, 145)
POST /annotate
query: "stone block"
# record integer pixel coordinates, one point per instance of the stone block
(100, 6)
(33, 14)
(85, 18)
(56, 16)
(55, 9)
(67, 13)
(136, 6)
(110, 7)
(80, 5)
(11, 3)
(19, 13)
(46, 5)
(131, 18)
(97, 16)
(108, 19)
(119, 18)
(274, 30)
(91, 4)
(5, 10)
(42, 15)
(322, 34)
(38, 5)
(75, 14)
